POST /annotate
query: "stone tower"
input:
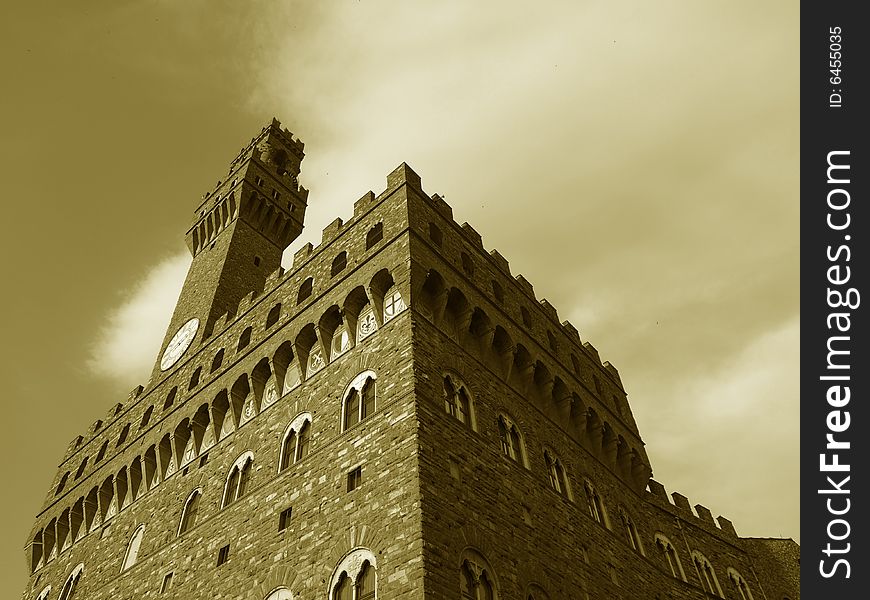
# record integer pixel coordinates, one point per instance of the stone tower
(395, 416)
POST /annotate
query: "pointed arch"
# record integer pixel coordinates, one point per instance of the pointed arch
(132, 554)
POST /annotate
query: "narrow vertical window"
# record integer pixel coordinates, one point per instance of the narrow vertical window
(167, 583)
(133, 548)
(189, 512)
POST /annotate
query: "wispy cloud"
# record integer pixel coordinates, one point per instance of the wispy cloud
(126, 346)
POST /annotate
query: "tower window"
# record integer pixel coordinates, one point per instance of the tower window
(305, 290)
(630, 530)
(669, 556)
(435, 235)
(355, 577)
(123, 437)
(81, 468)
(354, 479)
(223, 555)
(146, 417)
(167, 583)
(526, 316)
(256, 261)
(276, 194)
(296, 441)
(511, 440)
(244, 339)
(498, 291)
(457, 401)
(467, 264)
(189, 512)
(194, 379)
(133, 548)
(593, 503)
(62, 484)
(359, 399)
(557, 475)
(170, 397)
(258, 180)
(375, 235)
(273, 316)
(102, 452)
(338, 264)
(552, 341)
(217, 361)
(237, 480)
(284, 518)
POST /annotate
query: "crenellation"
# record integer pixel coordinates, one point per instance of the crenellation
(681, 502)
(501, 262)
(301, 255)
(363, 204)
(526, 286)
(704, 514)
(569, 330)
(549, 310)
(613, 373)
(403, 174)
(441, 206)
(592, 352)
(472, 235)
(657, 490)
(331, 231)
(726, 526)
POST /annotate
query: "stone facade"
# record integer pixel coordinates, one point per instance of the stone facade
(484, 452)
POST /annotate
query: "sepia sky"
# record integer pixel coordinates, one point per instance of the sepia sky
(637, 162)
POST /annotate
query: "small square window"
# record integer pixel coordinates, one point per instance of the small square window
(276, 194)
(203, 460)
(223, 555)
(167, 583)
(284, 518)
(354, 478)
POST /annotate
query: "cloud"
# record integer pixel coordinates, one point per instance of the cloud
(126, 346)
(729, 437)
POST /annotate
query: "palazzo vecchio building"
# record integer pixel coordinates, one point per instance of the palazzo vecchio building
(396, 416)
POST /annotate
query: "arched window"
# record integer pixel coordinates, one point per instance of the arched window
(355, 578)
(81, 468)
(498, 291)
(123, 437)
(557, 475)
(457, 401)
(102, 452)
(338, 264)
(188, 513)
(359, 399)
(594, 504)
(511, 440)
(217, 361)
(467, 264)
(526, 316)
(69, 587)
(194, 379)
(375, 235)
(739, 584)
(281, 593)
(630, 530)
(294, 447)
(669, 556)
(273, 315)
(393, 303)
(476, 579)
(43, 595)
(706, 574)
(366, 323)
(62, 483)
(237, 480)
(170, 397)
(133, 548)
(244, 339)
(305, 291)
(146, 417)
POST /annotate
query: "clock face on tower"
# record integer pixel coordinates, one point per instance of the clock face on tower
(179, 343)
